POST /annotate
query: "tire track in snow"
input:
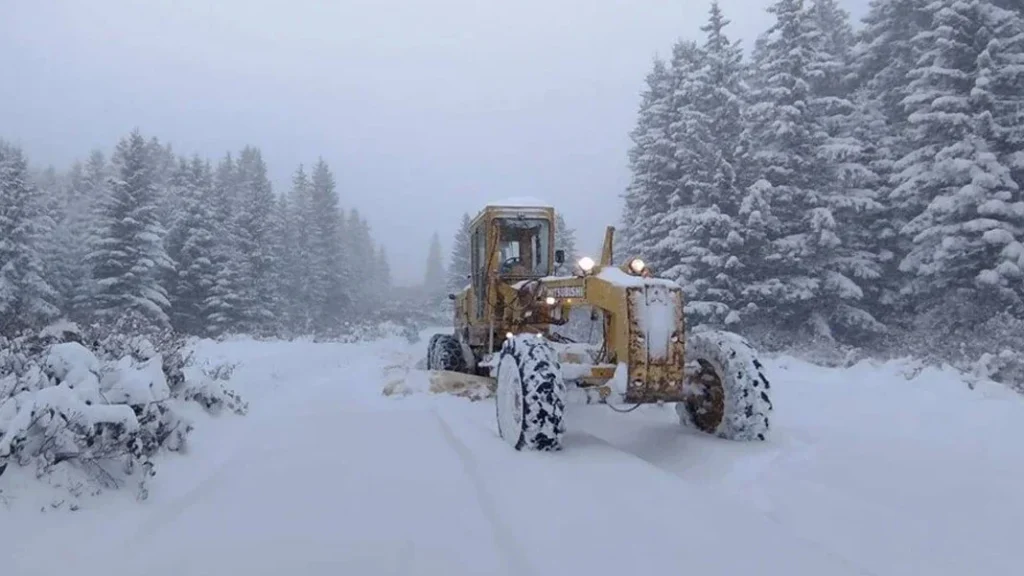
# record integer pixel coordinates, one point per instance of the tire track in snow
(767, 514)
(249, 427)
(504, 539)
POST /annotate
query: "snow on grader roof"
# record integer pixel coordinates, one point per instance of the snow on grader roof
(520, 202)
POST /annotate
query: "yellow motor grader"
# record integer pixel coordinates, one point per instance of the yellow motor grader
(504, 329)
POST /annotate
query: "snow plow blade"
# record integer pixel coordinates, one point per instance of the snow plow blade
(460, 384)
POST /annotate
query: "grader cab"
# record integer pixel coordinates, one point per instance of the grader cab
(505, 328)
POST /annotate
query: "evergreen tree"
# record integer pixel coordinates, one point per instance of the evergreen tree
(459, 266)
(298, 271)
(225, 303)
(705, 238)
(565, 239)
(256, 241)
(328, 290)
(26, 299)
(53, 191)
(360, 253)
(847, 185)
(651, 163)
(164, 164)
(434, 279)
(129, 257)
(83, 232)
(1001, 70)
(192, 246)
(965, 219)
(383, 272)
(66, 249)
(791, 238)
(287, 259)
(885, 55)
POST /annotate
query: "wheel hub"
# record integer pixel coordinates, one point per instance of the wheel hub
(707, 405)
(509, 401)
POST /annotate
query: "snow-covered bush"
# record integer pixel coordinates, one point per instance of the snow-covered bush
(102, 402)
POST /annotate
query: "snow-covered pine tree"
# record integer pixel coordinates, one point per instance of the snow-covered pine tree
(26, 299)
(383, 271)
(360, 252)
(192, 246)
(225, 304)
(66, 250)
(705, 237)
(651, 165)
(256, 239)
(297, 266)
(683, 146)
(287, 265)
(790, 231)
(966, 217)
(165, 164)
(84, 233)
(847, 188)
(1002, 64)
(565, 239)
(328, 291)
(128, 258)
(884, 54)
(53, 190)
(459, 261)
(434, 278)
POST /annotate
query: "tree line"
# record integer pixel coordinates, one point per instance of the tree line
(150, 238)
(841, 185)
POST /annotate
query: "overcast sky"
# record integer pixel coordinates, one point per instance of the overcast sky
(424, 109)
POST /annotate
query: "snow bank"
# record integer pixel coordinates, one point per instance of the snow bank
(78, 411)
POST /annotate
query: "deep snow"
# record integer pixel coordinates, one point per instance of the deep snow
(875, 469)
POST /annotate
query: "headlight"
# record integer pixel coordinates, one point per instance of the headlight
(637, 266)
(586, 264)
(550, 300)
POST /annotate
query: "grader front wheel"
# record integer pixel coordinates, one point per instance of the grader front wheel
(728, 392)
(530, 396)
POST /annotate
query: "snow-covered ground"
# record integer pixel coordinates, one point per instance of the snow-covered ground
(870, 470)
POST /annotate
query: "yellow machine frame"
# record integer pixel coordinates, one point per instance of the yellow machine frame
(642, 359)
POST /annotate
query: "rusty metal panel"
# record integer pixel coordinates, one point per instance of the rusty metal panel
(656, 344)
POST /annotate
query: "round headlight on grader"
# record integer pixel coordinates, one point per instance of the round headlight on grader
(503, 333)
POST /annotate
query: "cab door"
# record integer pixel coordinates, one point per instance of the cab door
(478, 261)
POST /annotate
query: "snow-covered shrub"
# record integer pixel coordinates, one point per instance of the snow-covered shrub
(972, 334)
(97, 403)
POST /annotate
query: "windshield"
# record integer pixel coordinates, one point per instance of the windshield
(523, 247)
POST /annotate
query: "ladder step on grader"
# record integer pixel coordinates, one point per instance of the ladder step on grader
(503, 332)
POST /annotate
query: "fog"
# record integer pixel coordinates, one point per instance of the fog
(424, 110)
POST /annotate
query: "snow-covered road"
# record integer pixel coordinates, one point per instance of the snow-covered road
(866, 473)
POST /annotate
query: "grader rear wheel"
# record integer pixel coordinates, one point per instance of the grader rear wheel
(445, 353)
(728, 392)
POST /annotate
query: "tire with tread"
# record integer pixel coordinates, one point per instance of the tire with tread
(742, 394)
(530, 397)
(445, 353)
